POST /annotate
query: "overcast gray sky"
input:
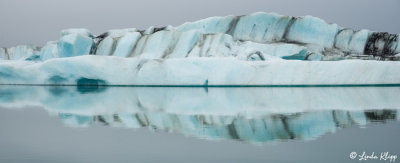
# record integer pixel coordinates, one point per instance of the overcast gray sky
(38, 21)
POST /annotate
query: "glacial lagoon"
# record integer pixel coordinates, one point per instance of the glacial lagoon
(196, 124)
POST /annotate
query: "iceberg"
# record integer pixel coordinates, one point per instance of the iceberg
(259, 49)
(21, 52)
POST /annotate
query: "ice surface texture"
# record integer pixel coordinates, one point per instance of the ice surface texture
(100, 70)
(231, 50)
(257, 36)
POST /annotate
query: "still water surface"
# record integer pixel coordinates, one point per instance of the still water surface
(169, 124)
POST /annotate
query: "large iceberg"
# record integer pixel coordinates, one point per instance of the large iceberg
(255, 49)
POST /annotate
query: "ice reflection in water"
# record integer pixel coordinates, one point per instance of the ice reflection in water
(254, 115)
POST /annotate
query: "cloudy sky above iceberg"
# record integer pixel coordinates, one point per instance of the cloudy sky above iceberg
(36, 22)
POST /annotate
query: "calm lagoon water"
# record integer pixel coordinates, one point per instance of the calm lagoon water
(175, 124)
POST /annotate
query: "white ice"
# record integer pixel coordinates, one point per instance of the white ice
(198, 71)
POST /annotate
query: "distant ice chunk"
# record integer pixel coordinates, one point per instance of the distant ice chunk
(106, 46)
(169, 27)
(74, 45)
(81, 31)
(343, 39)
(114, 33)
(49, 51)
(208, 25)
(126, 44)
(264, 28)
(156, 45)
(149, 30)
(185, 44)
(3, 54)
(358, 41)
(259, 27)
(22, 52)
(312, 30)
